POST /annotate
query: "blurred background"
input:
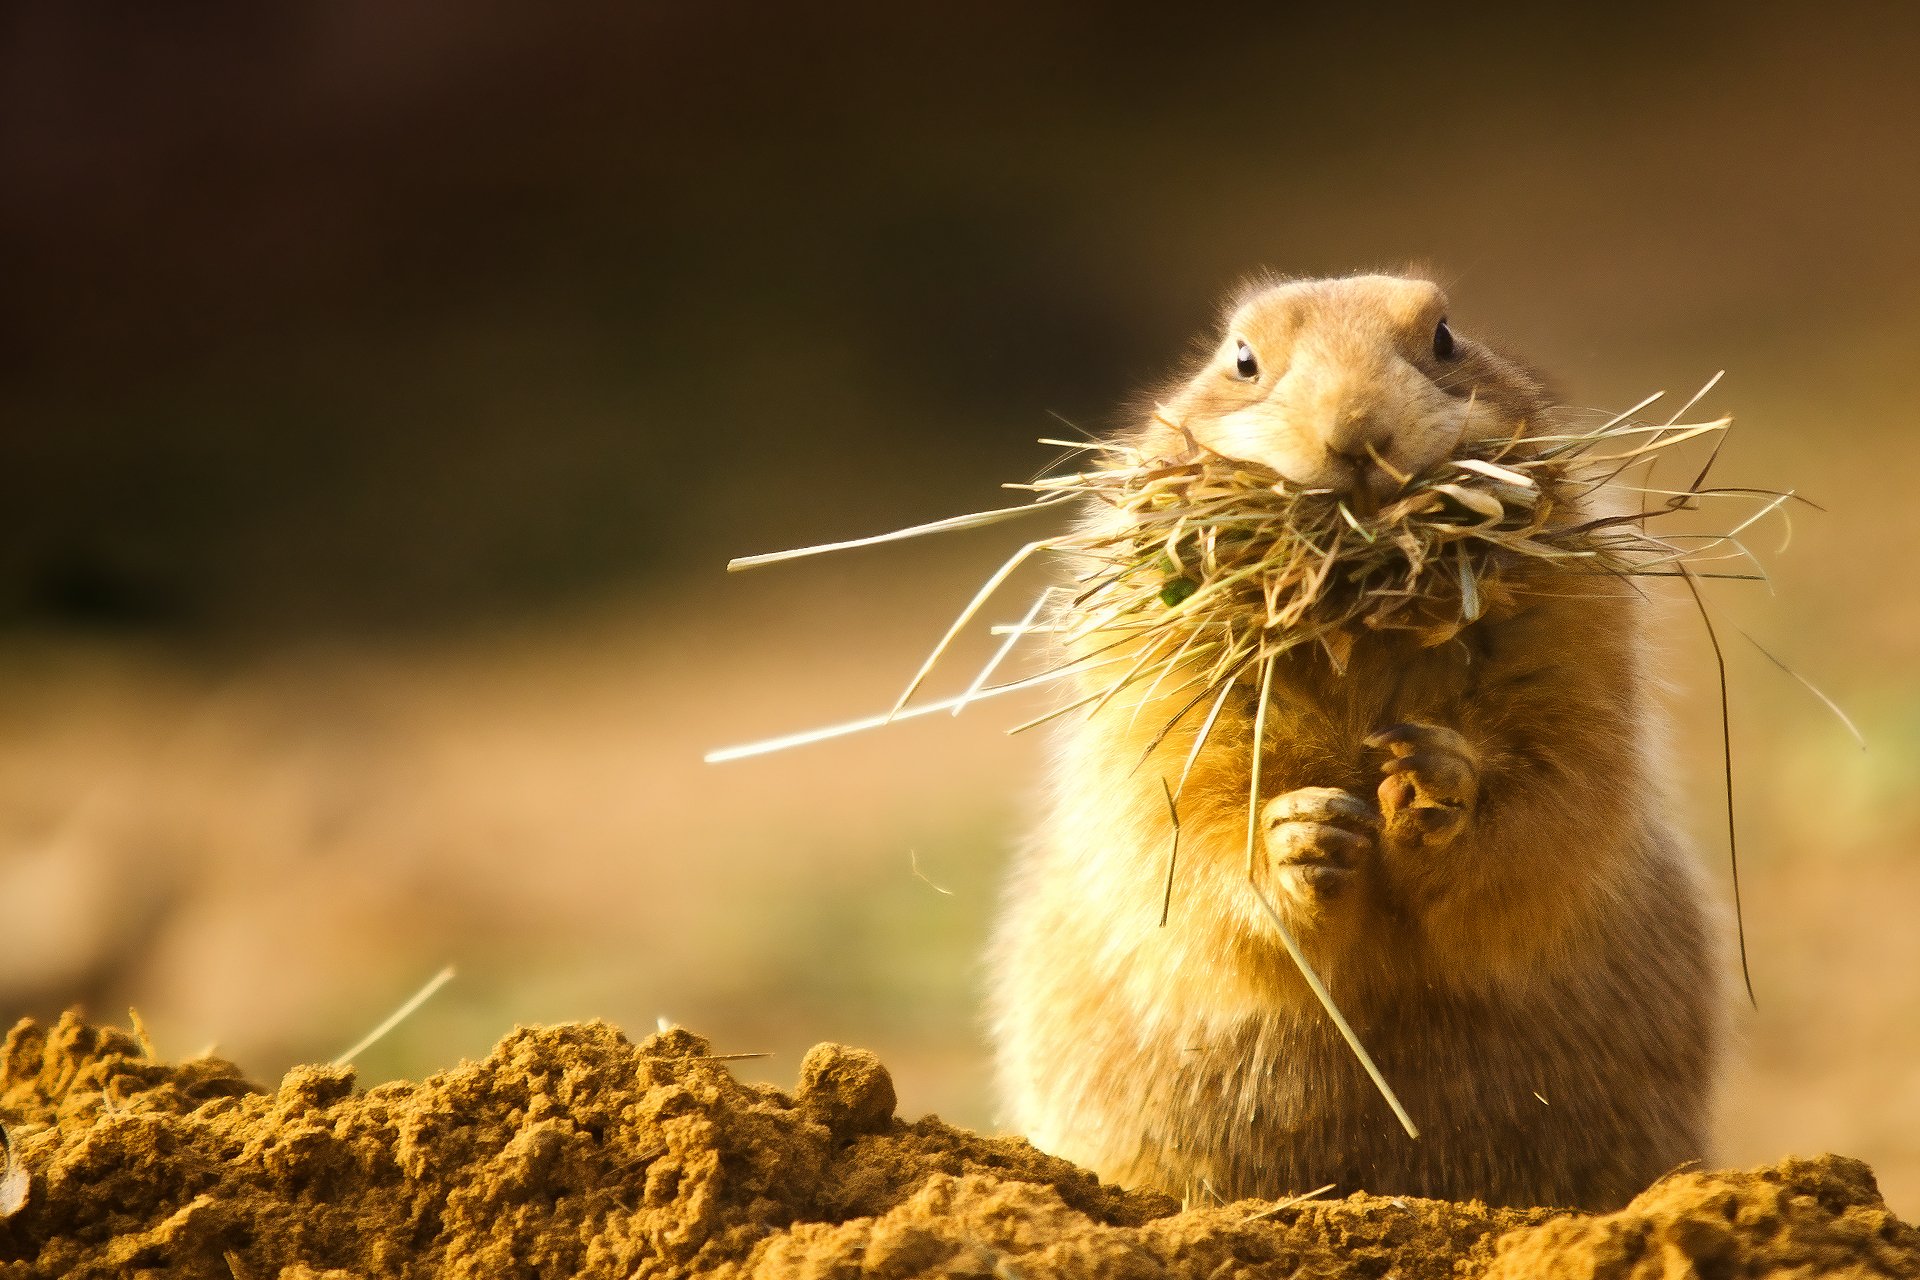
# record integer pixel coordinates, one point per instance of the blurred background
(384, 388)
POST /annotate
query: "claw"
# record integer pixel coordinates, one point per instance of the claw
(1430, 783)
(1320, 836)
(1321, 804)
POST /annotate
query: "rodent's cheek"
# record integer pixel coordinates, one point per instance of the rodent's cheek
(1440, 432)
(1258, 434)
(1430, 440)
(1477, 420)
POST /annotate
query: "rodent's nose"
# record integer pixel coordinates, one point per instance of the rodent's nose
(1357, 461)
(1369, 478)
(1358, 442)
(1355, 436)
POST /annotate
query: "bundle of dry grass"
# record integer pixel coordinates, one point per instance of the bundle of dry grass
(1210, 566)
(1224, 561)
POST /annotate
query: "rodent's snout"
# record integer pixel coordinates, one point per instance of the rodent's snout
(1358, 447)
(1370, 482)
(1363, 455)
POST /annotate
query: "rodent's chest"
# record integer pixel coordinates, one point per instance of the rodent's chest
(1385, 682)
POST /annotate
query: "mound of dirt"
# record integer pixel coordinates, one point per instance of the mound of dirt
(570, 1151)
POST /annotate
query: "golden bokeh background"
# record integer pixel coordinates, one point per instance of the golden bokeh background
(383, 389)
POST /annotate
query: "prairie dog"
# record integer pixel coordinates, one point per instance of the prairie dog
(1471, 841)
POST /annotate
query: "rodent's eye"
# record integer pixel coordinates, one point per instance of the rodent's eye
(1443, 341)
(1244, 365)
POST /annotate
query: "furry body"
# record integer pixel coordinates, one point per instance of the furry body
(1492, 888)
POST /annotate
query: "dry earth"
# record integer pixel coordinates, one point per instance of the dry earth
(571, 1151)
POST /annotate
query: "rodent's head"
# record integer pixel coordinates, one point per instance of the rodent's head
(1350, 385)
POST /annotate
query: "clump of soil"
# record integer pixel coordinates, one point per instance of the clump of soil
(571, 1151)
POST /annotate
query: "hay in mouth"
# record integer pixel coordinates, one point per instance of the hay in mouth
(1196, 549)
(1208, 565)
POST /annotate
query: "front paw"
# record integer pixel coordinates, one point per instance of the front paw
(1432, 783)
(1321, 836)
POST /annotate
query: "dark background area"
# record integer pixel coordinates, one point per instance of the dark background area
(348, 314)
(382, 389)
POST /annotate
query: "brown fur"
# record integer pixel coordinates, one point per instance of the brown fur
(1495, 893)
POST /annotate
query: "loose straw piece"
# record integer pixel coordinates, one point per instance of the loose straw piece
(1288, 1203)
(1206, 728)
(1014, 637)
(1333, 1011)
(769, 745)
(1280, 926)
(1173, 852)
(397, 1017)
(951, 524)
(1726, 765)
(980, 598)
(1259, 756)
(1859, 739)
